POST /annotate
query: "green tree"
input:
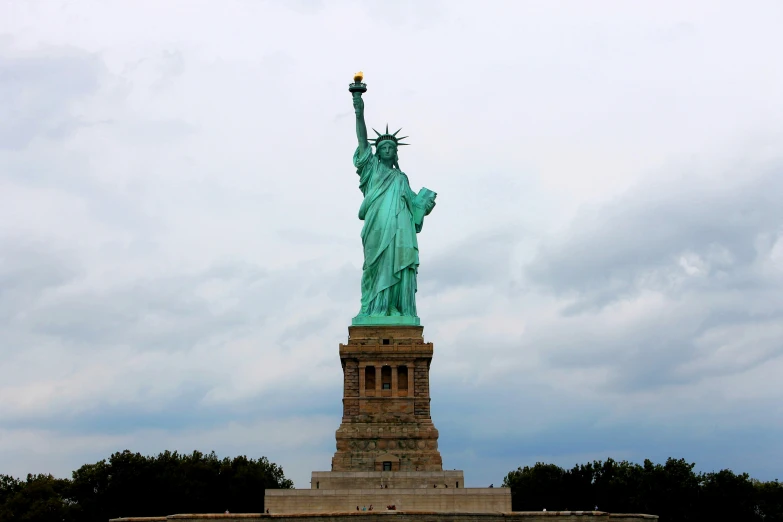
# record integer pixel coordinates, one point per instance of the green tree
(617, 486)
(673, 491)
(130, 484)
(537, 488)
(579, 489)
(729, 496)
(9, 486)
(769, 500)
(41, 498)
(89, 489)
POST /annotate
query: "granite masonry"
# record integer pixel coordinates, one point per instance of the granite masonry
(387, 446)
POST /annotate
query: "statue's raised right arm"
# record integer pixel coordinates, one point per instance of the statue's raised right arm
(361, 127)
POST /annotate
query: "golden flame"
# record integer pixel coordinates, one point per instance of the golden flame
(358, 77)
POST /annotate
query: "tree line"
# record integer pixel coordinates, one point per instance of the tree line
(130, 484)
(673, 491)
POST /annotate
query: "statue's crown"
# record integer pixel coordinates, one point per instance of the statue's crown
(388, 137)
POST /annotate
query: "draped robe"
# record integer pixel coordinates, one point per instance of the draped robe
(391, 250)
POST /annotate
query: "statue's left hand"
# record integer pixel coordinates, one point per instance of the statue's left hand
(430, 206)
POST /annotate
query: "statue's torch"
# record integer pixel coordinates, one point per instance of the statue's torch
(357, 86)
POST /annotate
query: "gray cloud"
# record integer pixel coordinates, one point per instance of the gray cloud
(482, 258)
(681, 235)
(38, 91)
(685, 251)
(29, 268)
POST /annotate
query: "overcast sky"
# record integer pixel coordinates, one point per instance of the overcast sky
(179, 243)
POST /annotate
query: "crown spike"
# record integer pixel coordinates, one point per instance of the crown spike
(386, 136)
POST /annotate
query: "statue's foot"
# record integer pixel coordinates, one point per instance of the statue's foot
(394, 312)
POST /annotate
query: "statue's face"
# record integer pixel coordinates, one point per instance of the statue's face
(387, 150)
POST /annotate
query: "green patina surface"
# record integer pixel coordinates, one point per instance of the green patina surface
(393, 214)
(386, 320)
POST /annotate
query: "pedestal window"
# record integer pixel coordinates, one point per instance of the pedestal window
(402, 378)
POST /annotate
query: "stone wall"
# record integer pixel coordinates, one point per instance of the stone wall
(388, 479)
(399, 516)
(421, 387)
(465, 500)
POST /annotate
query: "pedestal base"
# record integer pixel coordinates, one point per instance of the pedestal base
(387, 479)
(405, 490)
(462, 500)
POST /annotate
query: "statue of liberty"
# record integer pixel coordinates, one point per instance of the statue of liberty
(393, 214)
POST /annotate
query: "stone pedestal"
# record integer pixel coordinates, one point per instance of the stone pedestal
(387, 447)
(386, 424)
